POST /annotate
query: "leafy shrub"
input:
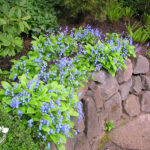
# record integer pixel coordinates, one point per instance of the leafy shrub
(17, 138)
(139, 6)
(147, 19)
(138, 33)
(128, 13)
(114, 11)
(43, 16)
(23, 16)
(12, 23)
(45, 96)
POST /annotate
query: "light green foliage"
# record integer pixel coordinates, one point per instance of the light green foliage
(128, 13)
(109, 125)
(17, 138)
(138, 33)
(49, 77)
(9, 44)
(147, 19)
(114, 11)
(12, 23)
(23, 16)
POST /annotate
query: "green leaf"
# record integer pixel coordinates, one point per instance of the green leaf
(19, 13)
(23, 80)
(45, 128)
(61, 147)
(30, 110)
(2, 21)
(21, 26)
(8, 109)
(26, 18)
(11, 12)
(26, 25)
(5, 84)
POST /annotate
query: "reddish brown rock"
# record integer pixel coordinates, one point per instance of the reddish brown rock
(101, 76)
(136, 85)
(134, 135)
(98, 99)
(124, 75)
(145, 82)
(82, 90)
(132, 105)
(80, 125)
(82, 143)
(141, 65)
(109, 88)
(125, 88)
(91, 119)
(145, 102)
(113, 107)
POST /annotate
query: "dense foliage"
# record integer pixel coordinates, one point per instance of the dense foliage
(45, 96)
(26, 16)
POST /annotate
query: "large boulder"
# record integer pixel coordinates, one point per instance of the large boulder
(113, 107)
(141, 65)
(101, 76)
(136, 85)
(145, 101)
(134, 135)
(132, 105)
(145, 82)
(92, 128)
(98, 98)
(82, 143)
(108, 88)
(125, 88)
(82, 90)
(124, 75)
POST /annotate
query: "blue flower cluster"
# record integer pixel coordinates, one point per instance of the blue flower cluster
(55, 86)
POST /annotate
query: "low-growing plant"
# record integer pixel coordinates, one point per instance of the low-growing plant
(137, 33)
(47, 108)
(146, 19)
(48, 79)
(10, 44)
(128, 13)
(114, 11)
(109, 125)
(17, 138)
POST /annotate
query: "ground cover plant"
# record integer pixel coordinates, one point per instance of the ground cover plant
(23, 16)
(45, 84)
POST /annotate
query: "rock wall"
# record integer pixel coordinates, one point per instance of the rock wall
(120, 98)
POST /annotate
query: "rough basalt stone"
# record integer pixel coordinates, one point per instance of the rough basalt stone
(80, 125)
(145, 82)
(125, 88)
(92, 86)
(109, 88)
(98, 98)
(124, 75)
(82, 143)
(132, 105)
(113, 107)
(91, 119)
(136, 85)
(82, 90)
(134, 135)
(145, 101)
(141, 65)
(96, 142)
(101, 76)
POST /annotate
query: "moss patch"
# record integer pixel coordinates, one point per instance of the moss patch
(104, 140)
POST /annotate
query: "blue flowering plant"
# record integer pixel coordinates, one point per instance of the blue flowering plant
(45, 83)
(48, 108)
